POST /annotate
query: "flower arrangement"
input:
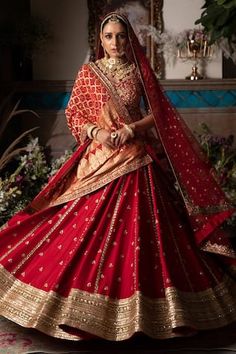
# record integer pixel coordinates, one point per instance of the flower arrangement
(222, 155)
(194, 44)
(182, 44)
(31, 173)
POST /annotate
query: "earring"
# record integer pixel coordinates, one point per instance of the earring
(105, 52)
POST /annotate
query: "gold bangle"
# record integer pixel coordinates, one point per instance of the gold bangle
(130, 130)
(90, 129)
(96, 132)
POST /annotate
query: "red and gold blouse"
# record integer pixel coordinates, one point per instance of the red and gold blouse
(109, 101)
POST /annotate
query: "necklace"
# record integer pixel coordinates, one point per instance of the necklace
(114, 67)
(114, 63)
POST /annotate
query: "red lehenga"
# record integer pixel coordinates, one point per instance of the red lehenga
(126, 240)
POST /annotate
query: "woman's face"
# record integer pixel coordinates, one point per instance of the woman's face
(114, 39)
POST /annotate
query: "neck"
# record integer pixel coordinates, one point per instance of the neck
(116, 60)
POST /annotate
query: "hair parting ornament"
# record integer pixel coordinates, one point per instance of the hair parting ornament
(114, 18)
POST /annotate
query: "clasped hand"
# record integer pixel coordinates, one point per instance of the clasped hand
(105, 137)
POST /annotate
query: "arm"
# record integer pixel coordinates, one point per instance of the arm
(134, 128)
(142, 124)
(81, 110)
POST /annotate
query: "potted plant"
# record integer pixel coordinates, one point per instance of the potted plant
(218, 20)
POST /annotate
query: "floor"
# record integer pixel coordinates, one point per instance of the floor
(17, 340)
(221, 341)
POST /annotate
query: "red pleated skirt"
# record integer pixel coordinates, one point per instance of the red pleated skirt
(118, 261)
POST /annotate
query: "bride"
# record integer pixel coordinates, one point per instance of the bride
(126, 237)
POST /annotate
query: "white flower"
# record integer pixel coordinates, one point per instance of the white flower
(165, 41)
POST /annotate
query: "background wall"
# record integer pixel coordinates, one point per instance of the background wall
(178, 16)
(69, 48)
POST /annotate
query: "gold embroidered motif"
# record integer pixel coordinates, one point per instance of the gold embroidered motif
(115, 68)
(46, 237)
(126, 83)
(194, 209)
(103, 179)
(114, 319)
(120, 107)
(114, 216)
(171, 231)
(31, 232)
(219, 249)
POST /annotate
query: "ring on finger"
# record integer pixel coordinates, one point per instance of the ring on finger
(114, 135)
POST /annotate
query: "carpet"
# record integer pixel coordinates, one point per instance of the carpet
(15, 339)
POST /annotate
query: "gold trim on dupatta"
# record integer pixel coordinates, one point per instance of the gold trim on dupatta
(92, 183)
(214, 247)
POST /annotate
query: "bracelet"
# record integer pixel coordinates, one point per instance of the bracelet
(90, 129)
(96, 132)
(130, 130)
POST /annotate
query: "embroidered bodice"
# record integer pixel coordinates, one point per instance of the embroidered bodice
(126, 81)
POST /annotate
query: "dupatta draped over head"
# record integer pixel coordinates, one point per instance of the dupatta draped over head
(205, 202)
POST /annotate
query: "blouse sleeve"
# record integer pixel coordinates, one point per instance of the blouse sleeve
(79, 112)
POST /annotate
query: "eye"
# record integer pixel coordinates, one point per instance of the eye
(122, 35)
(108, 36)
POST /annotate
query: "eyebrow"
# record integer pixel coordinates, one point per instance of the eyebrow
(117, 32)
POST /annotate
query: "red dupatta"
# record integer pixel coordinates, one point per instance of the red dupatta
(206, 203)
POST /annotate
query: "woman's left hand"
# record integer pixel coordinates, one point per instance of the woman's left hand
(123, 135)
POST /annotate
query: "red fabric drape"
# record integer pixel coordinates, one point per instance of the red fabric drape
(205, 201)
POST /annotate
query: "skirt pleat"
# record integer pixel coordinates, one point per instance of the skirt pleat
(118, 261)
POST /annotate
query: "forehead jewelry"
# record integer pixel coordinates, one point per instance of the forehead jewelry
(112, 18)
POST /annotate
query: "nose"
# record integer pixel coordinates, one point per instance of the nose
(114, 41)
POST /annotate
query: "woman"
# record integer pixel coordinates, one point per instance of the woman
(125, 238)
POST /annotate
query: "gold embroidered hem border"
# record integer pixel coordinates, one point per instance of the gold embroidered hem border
(115, 319)
(218, 249)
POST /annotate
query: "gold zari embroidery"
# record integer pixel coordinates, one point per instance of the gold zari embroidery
(120, 69)
(116, 319)
(102, 180)
(219, 249)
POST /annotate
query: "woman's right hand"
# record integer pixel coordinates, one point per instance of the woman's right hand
(104, 137)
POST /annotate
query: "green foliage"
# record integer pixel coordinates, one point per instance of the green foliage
(222, 154)
(219, 19)
(31, 173)
(31, 169)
